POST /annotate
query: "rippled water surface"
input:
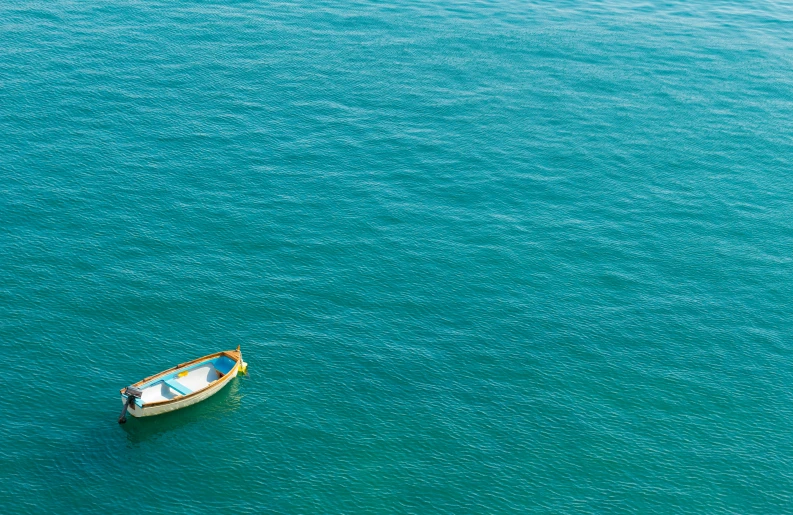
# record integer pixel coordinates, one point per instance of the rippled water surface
(481, 257)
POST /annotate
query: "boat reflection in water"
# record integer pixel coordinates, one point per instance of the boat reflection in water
(223, 403)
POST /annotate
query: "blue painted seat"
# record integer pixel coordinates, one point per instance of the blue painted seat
(176, 385)
(224, 364)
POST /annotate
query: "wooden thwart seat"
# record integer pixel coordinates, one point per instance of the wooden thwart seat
(173, 384)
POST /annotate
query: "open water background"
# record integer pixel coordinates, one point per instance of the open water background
(482, 257)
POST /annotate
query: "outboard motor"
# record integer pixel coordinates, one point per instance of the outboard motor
(132, 393)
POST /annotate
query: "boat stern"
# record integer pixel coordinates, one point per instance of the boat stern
(133, 409)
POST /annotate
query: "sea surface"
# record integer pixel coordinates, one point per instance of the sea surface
(481, 256)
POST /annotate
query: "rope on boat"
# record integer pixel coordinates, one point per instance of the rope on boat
(132, 393)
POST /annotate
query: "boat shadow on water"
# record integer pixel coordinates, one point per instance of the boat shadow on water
(226, 401)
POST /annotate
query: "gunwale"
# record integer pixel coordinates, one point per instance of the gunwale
(231, 354)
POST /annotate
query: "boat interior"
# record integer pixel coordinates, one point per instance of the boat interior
(184, 381)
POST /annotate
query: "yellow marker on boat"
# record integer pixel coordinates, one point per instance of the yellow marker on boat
(243, 368)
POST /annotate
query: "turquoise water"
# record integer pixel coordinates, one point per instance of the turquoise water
(494, 257)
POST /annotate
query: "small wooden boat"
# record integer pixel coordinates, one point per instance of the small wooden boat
(182, 385)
